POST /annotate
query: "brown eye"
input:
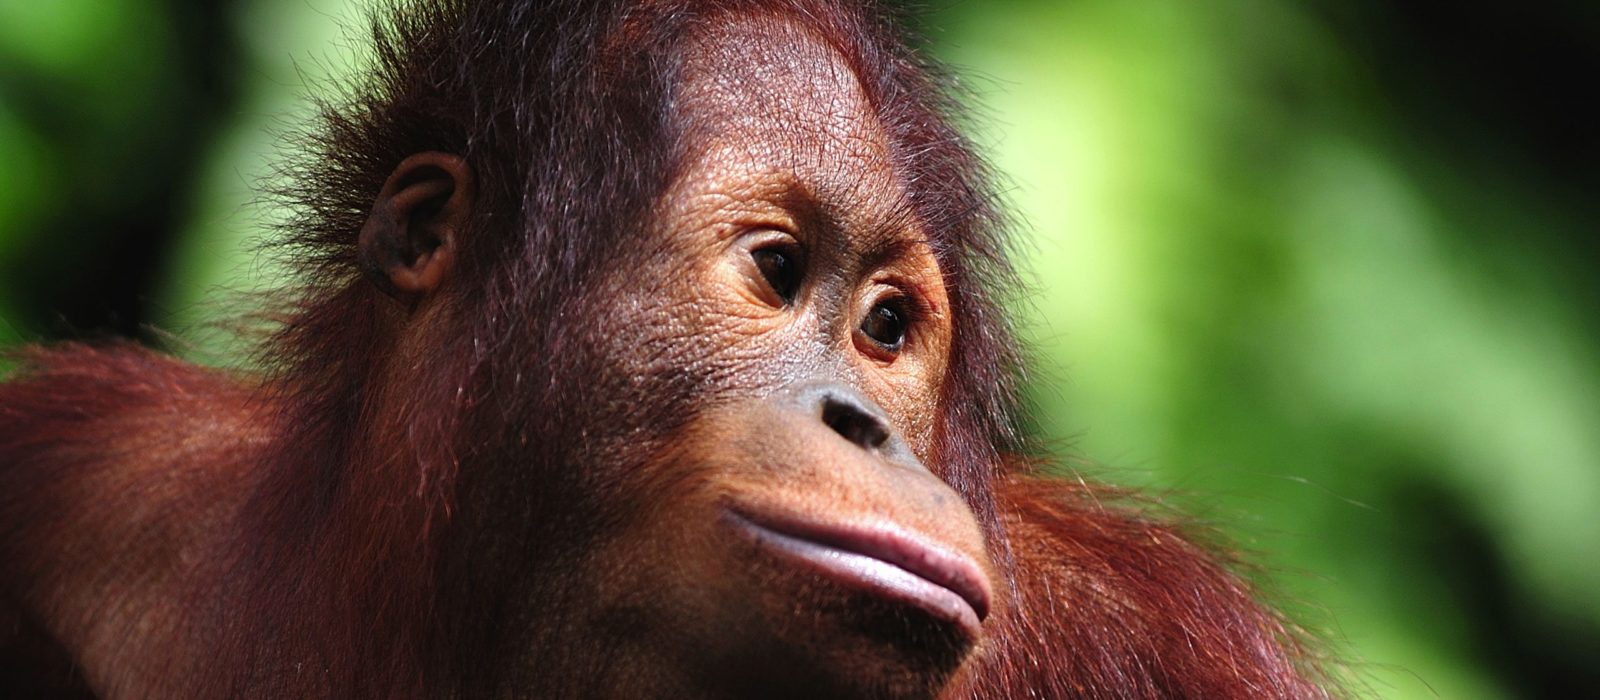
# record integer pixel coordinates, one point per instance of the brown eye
(886, 324)
(780, 267)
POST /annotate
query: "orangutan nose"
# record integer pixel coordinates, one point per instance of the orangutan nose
(855, 418)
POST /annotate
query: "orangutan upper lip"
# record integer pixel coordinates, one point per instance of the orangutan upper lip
(884, 560)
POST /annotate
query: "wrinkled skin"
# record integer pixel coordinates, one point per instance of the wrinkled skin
(789, 158)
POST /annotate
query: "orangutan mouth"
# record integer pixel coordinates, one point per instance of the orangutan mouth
(882, 561)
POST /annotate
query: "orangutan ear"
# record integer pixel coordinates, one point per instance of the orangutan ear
(410, 240)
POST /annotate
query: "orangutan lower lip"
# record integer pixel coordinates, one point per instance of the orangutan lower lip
(889, 563)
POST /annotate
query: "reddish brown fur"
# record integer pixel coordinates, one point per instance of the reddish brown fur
(331, 527)
(1146, 612)
(1111, 604)
(122, 468)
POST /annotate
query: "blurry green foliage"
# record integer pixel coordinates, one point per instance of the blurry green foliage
(1270, 300)
(88, 68)
(296, 49)
(1256, 289)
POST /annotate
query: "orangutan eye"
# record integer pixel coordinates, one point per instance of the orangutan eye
(780, 267)
(886, 324)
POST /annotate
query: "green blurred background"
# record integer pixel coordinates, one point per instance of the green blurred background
(1320, 272)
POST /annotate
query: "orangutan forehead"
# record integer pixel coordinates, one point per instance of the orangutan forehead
(767, 96)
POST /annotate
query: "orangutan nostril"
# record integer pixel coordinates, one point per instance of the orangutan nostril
(854, 423)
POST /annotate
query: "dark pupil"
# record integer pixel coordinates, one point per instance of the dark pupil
(780, 272)
(885, 326)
